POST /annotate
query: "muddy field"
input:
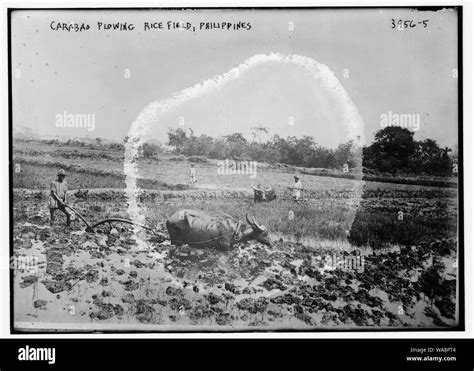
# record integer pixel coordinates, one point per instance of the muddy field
(103, 279)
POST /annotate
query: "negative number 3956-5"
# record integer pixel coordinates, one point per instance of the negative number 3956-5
(401, 24)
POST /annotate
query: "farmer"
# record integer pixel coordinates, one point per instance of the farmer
(58, 197)
(192, 175)
(297, 188)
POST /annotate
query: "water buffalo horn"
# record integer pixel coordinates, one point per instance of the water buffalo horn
(253, 222)
(248, 220)
(256, 224)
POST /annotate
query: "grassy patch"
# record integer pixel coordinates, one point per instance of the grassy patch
(40, 176)
(380, 228)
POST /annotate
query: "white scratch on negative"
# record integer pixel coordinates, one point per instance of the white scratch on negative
(152, 112)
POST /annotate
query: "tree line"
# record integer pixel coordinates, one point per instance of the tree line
(393, 151)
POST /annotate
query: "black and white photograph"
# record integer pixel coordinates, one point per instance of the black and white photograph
(236, 170)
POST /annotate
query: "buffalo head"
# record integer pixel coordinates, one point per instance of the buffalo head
(259, 232)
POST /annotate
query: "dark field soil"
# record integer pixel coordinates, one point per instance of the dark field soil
(69, 276)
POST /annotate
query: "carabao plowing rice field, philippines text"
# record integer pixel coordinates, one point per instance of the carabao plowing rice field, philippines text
(351, 253)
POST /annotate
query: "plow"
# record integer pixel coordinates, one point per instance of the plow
(91, 227)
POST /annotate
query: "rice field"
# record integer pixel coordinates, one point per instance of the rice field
(405, 236)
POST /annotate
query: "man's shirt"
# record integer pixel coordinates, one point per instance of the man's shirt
(297, 187)
(61, 190)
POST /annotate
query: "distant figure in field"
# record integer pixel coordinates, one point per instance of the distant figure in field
(297, 188)
(58, 198)
(192, 175)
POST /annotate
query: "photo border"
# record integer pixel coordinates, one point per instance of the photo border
(223, 330)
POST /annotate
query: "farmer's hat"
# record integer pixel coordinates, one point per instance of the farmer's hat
(296, 176)
(61, 172)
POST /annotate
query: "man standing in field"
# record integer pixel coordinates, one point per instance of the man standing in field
(58, 198)
(297, 188)
(192, 175)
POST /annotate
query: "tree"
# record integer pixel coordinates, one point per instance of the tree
(258, 132)
(198, 146)
(177, 139)
(235, 145)
(454, 153)
(345, 153)
(445, 152)
(429, 158)
(391, 150)
(150, 150)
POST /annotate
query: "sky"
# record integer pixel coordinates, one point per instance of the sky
(115, 74)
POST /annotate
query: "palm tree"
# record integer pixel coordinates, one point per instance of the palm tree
(445, 152)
